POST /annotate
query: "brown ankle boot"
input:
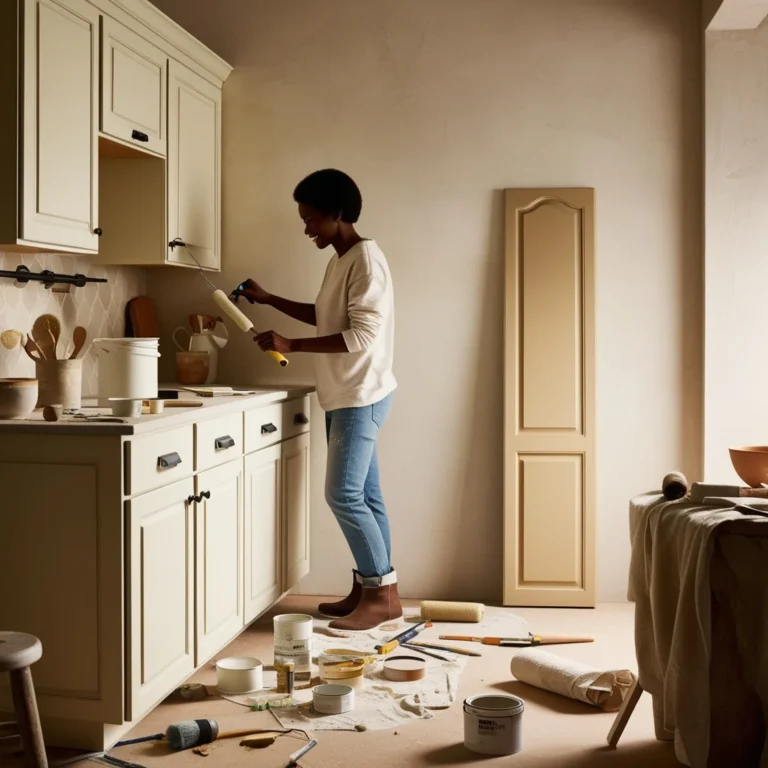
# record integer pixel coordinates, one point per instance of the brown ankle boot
(377, 605)
(348, 604)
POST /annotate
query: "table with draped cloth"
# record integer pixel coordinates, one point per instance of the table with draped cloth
(699, 581)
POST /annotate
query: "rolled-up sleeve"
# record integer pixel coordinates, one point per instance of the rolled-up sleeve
(365, 308)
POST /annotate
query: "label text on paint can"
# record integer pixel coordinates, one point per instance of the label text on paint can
(490, 727)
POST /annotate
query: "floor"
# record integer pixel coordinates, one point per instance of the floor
(556, 731)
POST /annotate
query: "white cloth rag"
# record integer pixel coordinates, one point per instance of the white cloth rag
(601, 688)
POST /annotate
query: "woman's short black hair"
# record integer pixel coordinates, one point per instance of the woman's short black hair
(331, 192)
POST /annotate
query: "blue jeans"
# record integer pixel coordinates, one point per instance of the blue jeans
(352, 487)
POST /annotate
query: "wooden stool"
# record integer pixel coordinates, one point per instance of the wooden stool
(18, 651)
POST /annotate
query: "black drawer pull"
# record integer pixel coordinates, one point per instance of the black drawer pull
(205, 495)
(300, 418)
(190, 499)
(224, 442)
(169, 460)
(268, 429)
(139, 136)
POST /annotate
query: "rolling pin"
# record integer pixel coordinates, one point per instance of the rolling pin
(701, 491)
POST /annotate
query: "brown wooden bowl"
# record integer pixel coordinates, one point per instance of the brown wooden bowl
(751, 464)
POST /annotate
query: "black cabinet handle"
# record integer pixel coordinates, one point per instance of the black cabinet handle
(198, 499)
(224, 442)
(300, 418)
(169, 460)
(98, 232)
(268, 429)
(205, 495)
(139, 136)
(190, 499)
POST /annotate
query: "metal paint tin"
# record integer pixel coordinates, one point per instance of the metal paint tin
(493, 724)
(239, 674)
(333, 699)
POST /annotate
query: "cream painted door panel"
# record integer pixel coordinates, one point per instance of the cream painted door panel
(60, 117)
(219, 557)
(295, 510)
(134, 78)
(263, 549)
(549, 398)
(194, 167)
(160, 594)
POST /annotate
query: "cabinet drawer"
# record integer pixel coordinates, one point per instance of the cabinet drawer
(159, 459)
(263, 426)
(133, 88)
(218, 440)
(296, 417)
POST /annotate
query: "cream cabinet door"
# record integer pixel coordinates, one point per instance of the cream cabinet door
(194, 167)
(549, 398)
(133, 88)
(262, 530)
(59, 164)
(219, 557)
(160, 594)
(295, 510)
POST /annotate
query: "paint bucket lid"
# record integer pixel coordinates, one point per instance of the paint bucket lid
(494, 705)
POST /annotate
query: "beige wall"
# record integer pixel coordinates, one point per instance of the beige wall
(736, 245)
(435, 107)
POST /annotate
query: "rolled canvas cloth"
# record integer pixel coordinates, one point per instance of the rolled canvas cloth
(600, 688)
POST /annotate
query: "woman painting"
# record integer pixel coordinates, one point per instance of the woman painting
(355, 319)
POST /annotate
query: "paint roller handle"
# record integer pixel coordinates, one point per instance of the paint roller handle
(278, 358)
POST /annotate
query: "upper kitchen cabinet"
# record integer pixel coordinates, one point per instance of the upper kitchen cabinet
(194, 168)
(48, 139)
(134, 78)
(112, 146)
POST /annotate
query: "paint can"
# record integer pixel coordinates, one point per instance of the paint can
(333, 699)
(493, 724)
(239, 674)
(293, 642)
(341, 665)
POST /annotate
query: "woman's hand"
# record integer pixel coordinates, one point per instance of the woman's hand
(254, 292)
(274, 341)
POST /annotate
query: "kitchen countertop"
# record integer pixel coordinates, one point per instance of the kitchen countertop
(168, 419)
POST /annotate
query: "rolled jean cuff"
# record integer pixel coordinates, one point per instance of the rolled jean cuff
(380, 581)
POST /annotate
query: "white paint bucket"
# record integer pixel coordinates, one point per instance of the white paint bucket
(333, 699)
(239, 674)
(293, 640)
(127, 368)
(493, 724)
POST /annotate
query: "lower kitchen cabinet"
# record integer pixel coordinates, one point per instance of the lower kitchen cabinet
(142, 553)
(263, 550)
(160, 594)
(218, 557)
(295, 510)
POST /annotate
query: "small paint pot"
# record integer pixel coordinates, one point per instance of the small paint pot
(493, 724)
(333, 699)
(239, 674)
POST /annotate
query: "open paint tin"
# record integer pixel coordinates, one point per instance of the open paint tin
(345, 666)
(239, 674)
(331, 699)
(493, 724)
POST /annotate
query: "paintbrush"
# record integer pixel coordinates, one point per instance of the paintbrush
(451, 648)
(424, 651)
(403, 637)
(520, 642)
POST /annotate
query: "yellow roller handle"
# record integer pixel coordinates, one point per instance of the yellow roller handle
(278, 358)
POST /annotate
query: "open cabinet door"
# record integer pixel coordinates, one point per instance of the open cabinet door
(549, 398)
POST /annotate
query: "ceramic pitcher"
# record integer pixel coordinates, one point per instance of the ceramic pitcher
(207, 341)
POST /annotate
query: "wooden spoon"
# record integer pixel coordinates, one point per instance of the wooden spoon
(32, 350)
(46, 332)
(11, 339)
(79, 335)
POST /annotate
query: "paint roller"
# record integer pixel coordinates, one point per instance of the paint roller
(242, 321)
(445, 610)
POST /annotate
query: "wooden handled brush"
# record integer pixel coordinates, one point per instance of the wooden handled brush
(520, 642)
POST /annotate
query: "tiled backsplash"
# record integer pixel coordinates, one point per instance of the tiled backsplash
(98, 307)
